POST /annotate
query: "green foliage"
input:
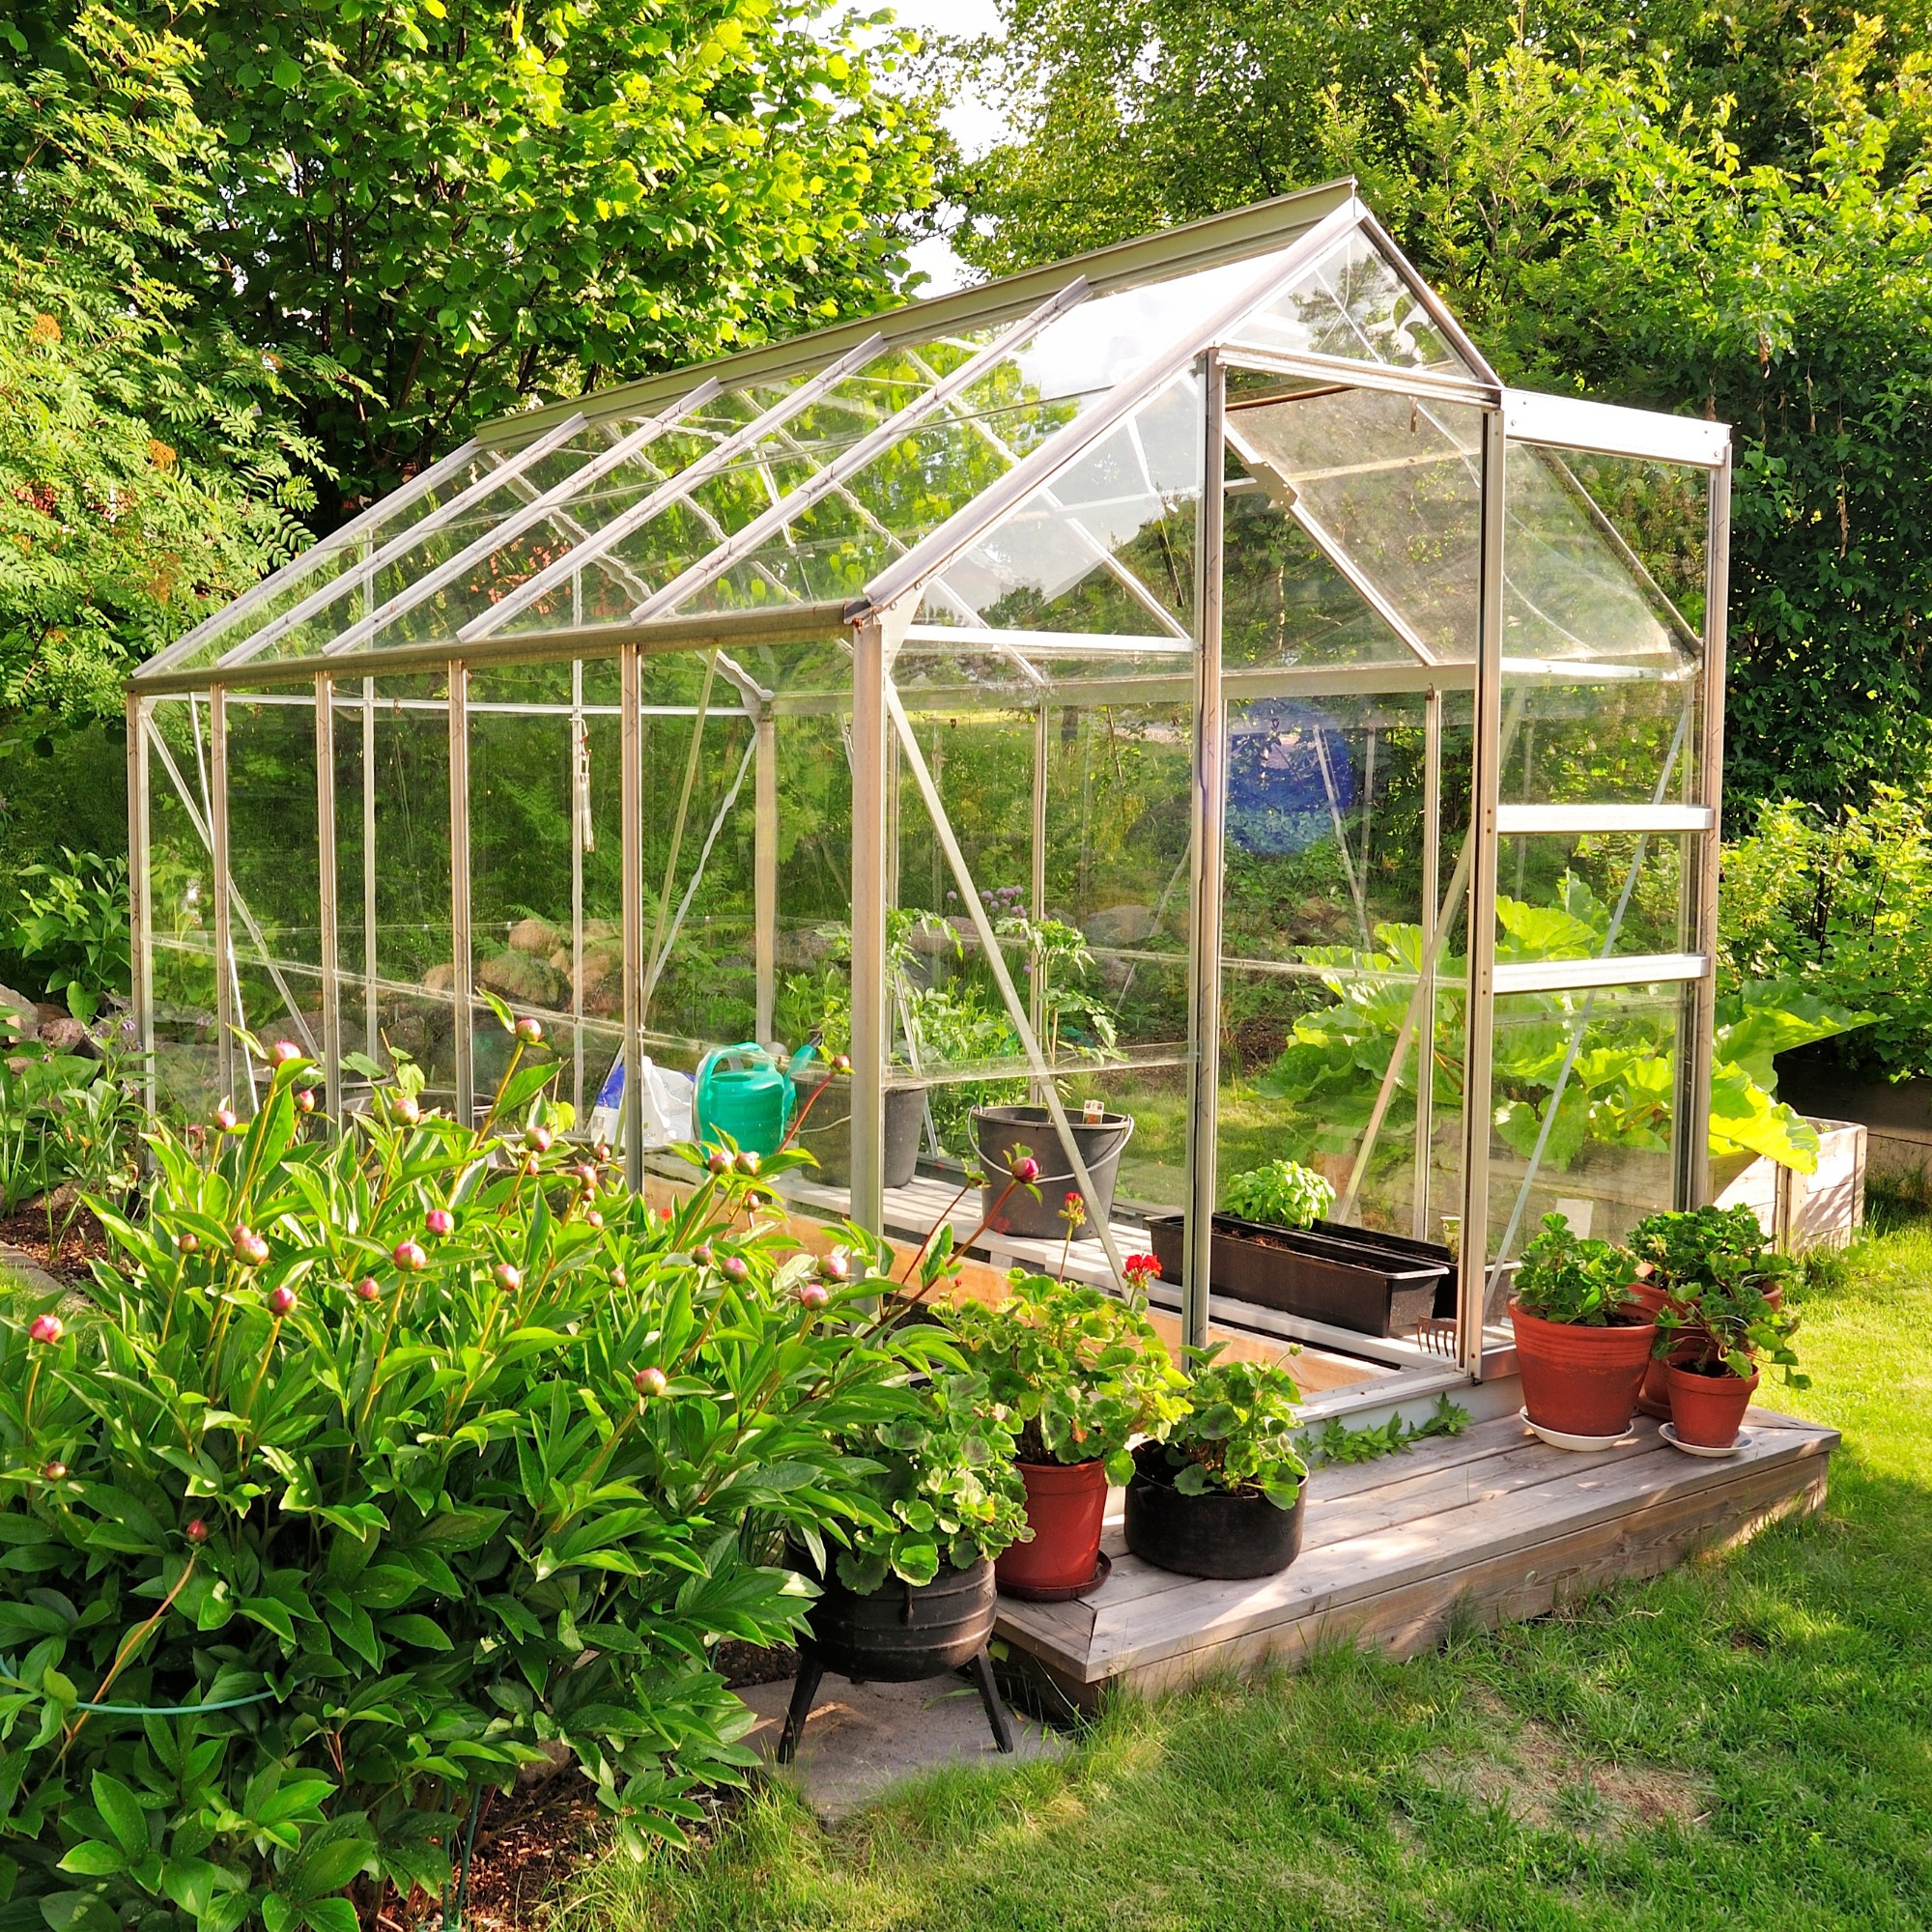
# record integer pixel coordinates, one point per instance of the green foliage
(69, 1127)
(946, 1484)
(465, 205)
(1284, 1194)
(425, 1448)
(73, 928)
(1238, 1433)
(1842, 907)
(1719, 1274)
(1080, 1370)
(1573, 1279)
(1339, 1444)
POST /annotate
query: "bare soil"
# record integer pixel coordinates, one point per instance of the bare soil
(27, 1231)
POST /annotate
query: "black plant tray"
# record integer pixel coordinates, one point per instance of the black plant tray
(1349, 1278)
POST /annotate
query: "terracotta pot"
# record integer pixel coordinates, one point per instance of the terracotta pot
(1708, 1410)
(1066, 1502)
(1581, 1380)
(1655, 1398)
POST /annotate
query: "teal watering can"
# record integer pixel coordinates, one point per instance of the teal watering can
(740, 1091)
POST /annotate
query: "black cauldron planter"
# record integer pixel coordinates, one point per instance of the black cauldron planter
(1213, 1534)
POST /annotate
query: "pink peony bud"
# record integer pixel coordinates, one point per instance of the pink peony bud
(47, 1328)
(529, 1031)
(249, 1247)
(1025, 1170)
(285, 1052)
(717, 1161)
(841, 1063)
(304, 1101)
(224, 1119)
(540, 1139)
(281, 1301)
(592, 1218)
(405, 1109)
(837, 1265)
(408, 1257)
(813, 1295)
(368, 1290)
(620, 1279)
(702, 1254)
(55, 1472)
(530, 1163)
(602, 1151)
(439, 1221)
(196, 1530)
(747, 1161)
(652, 1381)
(735, 1266)
(188, 1242)
(509, 1279)
(585, 1172)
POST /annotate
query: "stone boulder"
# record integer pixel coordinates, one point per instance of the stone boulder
(19, 1017)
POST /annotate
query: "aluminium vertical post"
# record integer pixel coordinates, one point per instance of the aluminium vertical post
(1432, 911)
(631, 796)
(870, 1031)
(765, 873)
(1693, 1137)
(217, 851)
(329, 913)
(1479, 1016)
(1037, 896)
(372, 1011)
(580, 826)
(1210, 821)
(140, 898)
(462, 964)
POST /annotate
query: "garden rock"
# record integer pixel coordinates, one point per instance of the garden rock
(1121, 925)
(63, 1034)
(18, 1015)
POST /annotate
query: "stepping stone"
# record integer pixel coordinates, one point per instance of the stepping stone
(863, 1739)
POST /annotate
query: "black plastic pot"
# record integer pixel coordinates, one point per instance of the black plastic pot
(1214, 1534)
(1348, 1279)
(827, 1132)
(901, 1632)
(997, 1130)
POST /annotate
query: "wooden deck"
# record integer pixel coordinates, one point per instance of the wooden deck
(1494, 1520)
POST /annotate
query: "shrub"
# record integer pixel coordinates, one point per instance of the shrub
(68, 1126)
(384, 1466)
(73, 928)
(1571, 1279)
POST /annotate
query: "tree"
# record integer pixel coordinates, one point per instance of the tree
(1721, 211)
(468, 205)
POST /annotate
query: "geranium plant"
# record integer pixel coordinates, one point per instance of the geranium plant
(1572, 1280)
(1082, 1372)
(382, 1465)
(1238, 1435)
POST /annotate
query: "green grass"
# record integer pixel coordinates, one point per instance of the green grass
(1744, 1743)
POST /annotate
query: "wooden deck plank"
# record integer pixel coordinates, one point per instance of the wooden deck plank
(1382, 1539)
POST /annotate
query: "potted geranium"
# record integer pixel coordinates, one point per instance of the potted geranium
(1581, 1342)
(1223, 1495)
(911, 1595)
(1083, 1373)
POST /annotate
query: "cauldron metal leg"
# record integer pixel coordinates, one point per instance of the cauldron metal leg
(804, 1694)
(981, 1668)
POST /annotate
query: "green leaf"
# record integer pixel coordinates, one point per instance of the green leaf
(122, 1810)
(330, 1914)
(420, 1631)
(93, 1858)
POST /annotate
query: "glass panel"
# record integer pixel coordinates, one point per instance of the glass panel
(1351, 303)
(1565, 897)
(1607, 1159)
(180, 884)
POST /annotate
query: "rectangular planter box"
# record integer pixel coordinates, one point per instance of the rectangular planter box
(1347, 1278)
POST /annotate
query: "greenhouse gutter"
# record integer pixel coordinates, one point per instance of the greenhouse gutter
(1124, 265)
(777, 624)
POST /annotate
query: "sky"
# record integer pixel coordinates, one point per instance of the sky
(975, 124)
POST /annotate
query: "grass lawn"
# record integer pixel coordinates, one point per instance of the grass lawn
(1745, 1743)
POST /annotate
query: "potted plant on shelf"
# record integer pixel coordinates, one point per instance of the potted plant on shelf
(1084, 1374)
(911, 1595)
(1581, 1342)
(1725, 1328)
(1272, 1248)
(1223, 1495)
(1676, 1253)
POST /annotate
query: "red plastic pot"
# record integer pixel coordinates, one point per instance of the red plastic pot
(1579, 1380)
(1066, 1504)
(1707, 1411)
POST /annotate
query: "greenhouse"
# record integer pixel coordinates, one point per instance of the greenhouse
(1183, 694)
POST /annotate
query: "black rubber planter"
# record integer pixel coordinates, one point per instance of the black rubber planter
(1214, 1534)
(897, 1635)
(1347, 1278)
(827, 1133)
(999, 1130)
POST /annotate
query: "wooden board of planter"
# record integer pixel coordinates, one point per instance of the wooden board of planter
(1493, 1519)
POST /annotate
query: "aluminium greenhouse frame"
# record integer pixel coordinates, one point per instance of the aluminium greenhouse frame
(1283, 240)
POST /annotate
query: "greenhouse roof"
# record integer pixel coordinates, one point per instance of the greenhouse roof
(978, 462)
